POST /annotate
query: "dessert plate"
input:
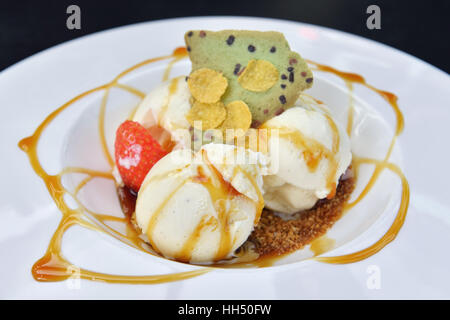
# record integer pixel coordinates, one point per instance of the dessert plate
(414, 265)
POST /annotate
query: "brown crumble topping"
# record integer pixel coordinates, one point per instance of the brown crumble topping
(275, 236)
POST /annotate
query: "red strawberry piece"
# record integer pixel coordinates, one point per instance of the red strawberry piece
(136, 152)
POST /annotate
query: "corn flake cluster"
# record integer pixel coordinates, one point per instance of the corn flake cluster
(207, 87)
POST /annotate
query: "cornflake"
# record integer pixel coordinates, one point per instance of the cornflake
(207, 85)
(208, 115)
(258, 76)
(238, 116)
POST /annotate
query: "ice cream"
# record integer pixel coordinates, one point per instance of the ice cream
(308, 152)
(200, 207)
(166, 106)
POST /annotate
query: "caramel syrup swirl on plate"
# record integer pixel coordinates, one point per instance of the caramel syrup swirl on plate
(53, 266)
(380, 165)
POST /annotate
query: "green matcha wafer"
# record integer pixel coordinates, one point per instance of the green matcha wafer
(278, 74)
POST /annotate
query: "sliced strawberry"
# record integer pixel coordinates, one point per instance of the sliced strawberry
(136, 152)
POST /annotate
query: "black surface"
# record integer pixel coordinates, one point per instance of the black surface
(420, 28)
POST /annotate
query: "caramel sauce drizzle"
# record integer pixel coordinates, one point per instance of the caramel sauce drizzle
(380, 165)
(314, 152)
(322, 245)
(351, 107)
(172, 89)
(154, 218)
(260, 202)
(220, 192)
(186, 251)
(54, 267)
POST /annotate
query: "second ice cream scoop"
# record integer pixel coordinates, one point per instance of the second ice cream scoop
(309, 152)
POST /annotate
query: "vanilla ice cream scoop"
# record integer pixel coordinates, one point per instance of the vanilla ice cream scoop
(200, 207)
(308, 153)
(166, 106)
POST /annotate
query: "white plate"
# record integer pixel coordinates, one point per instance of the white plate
(415, 265)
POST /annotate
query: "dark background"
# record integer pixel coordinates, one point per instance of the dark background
(420, 28)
